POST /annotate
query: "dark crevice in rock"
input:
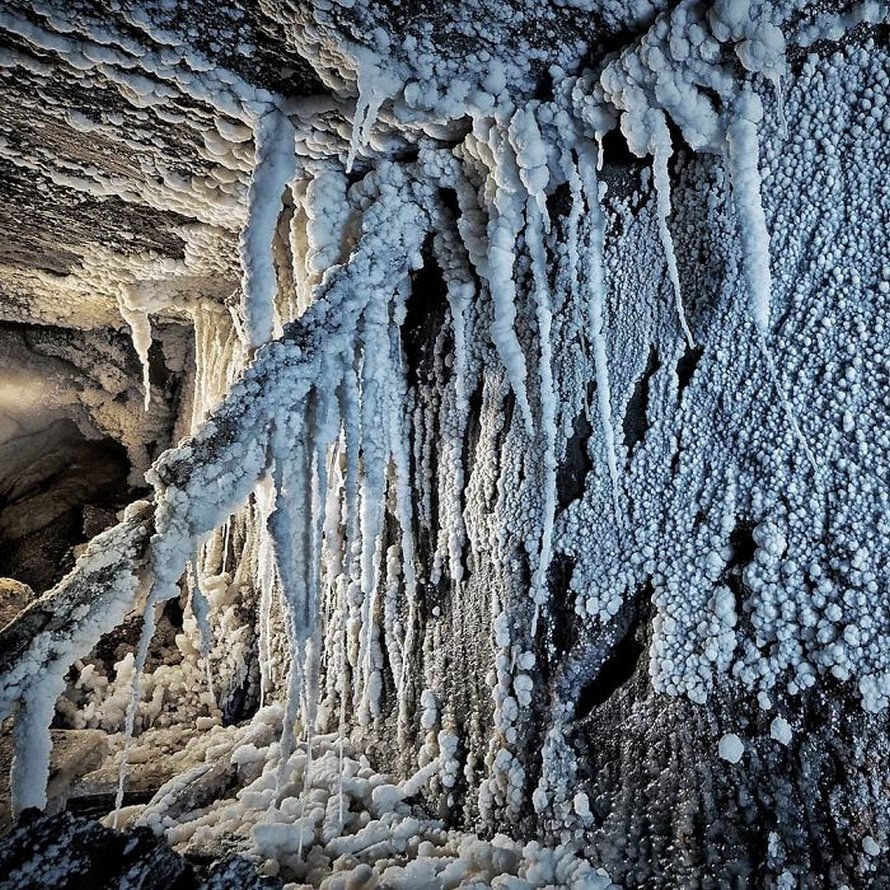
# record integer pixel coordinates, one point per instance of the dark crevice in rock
(426, 315)
(575, 465)
(686, 368)
(635, 417)
(622, 662)
(558, 637)
(57, 488)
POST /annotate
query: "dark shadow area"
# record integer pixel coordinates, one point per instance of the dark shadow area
(635, 417)
(686, 368)
(622, 661)
(57, 490)
(577, 463)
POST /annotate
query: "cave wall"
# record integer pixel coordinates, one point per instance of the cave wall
(690, 685)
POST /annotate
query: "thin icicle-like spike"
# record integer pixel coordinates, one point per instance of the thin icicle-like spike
(350, 409)
(398, 436)
(596, 283)
(140, 329)
(201, 611)
(141, 656)
(375, 377)
(742, 153)
(534, 233)
(290, 528)
(402, 644)
(324, 430)
(779, 87)
(275, 164)
(265, 580)
(662, 150)
(226, 544)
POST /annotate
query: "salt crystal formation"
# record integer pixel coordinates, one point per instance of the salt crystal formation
(532, 497)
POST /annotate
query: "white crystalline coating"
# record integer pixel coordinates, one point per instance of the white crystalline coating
(274, 168)
(731, 748)
(661, 152)
(831, 26)
(742, 160)
(328, 547)
(780, 730)
(596, 283)
(140, 329)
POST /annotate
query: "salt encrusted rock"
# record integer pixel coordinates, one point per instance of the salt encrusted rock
(709, 356)
(14, 597)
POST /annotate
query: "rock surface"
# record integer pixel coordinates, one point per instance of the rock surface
(75, 853)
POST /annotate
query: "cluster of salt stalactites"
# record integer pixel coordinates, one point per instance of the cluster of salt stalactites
(316, 428)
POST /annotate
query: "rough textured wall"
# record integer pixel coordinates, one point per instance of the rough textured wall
(552, 484)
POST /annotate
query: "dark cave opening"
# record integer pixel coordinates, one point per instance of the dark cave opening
(58, 489)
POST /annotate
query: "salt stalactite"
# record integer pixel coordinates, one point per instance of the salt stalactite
(318, 229)
(661, 149)
(531, 160)
(201, 610)
(275, 166)
(290, 527)
(140, 329)
(265, 580)
(534, 241)
(374, 85)
(597, 287)
(32, 743)
(375, 378)
(506, 216)
(401, 483)
(742, 157)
